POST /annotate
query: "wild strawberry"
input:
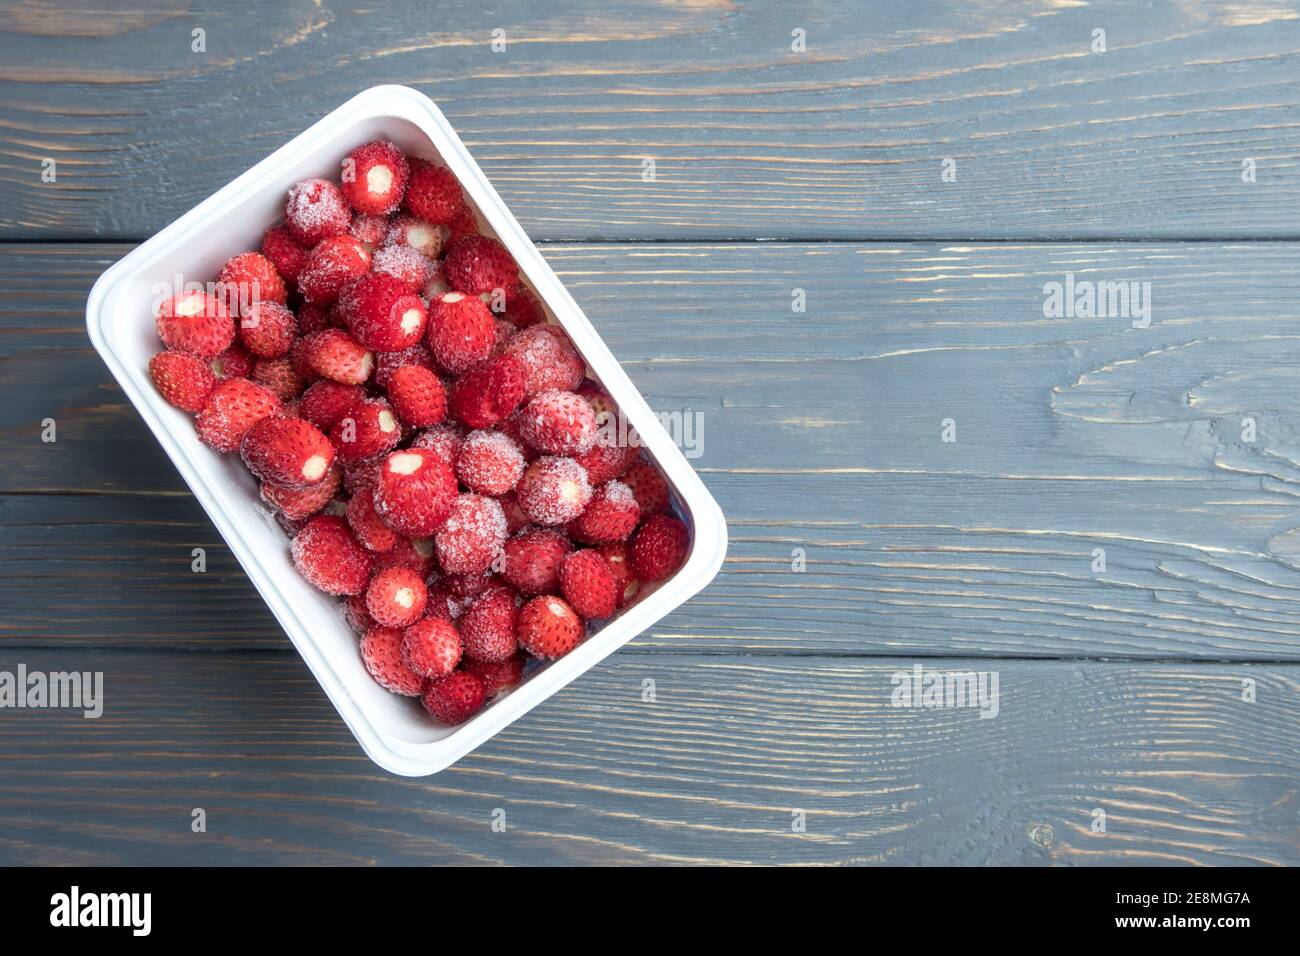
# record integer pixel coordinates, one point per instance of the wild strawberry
(659, 547)
(461, 331)
(612, 515)
(648, 487)
(412, 233)
(382, 313)
(463, 223)
(396, 597)
(316, 210)
(381, 652)
(326, 554)
(471, 536)
(470, 584)
(620, 565)
(368, 430)
(418, 396)
(478, 264)
(432, 192)
(358, 618)
(437, 283)
(549, 358)
(374, 178)
(512, 427)
(287, 451)
(234, 362)
(247, 279)
(561, 423)
(369, 229)
(183, 380)
(606, 461)
(325, 402)
(267, 329)
(196, 323)
(298, 504)
(285, 253)
(443, 440)
(553, 490)
(548, 627)
(497, 676)
(404, 264)
(386, 363)
(330, 266)
(335, 355)
(487, 629)
(589, 585)
(444, 604)
(455, 698)
(366, 524)
(533, 559)
(415, 492)
(515, 517)
(414, 553)
(233, 407)
(279, 377)
(488, 392)
(314, 317)
(431, 647)
(489, 463)
(504, 333)
(523, 308)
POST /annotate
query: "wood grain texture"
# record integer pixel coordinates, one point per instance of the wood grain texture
(711, 771)
(749, 138)
(821, 432)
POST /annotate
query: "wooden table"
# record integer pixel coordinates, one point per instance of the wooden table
(1121, 690)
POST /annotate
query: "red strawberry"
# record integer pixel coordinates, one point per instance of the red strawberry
(326, 554)
(287, 451)
(424, 237)
(368, 526)
(443, 440)
(247, 279)
(196, 323)
(589, 585)
(298, 504)
(489, 392)
(369, 230)
(512, 427)
(279, 377)
(497, 676)
(432, 192)
(404, 264)
(234, 406)
(461, 331)
(659, 547)
(415, 492)
(325, 402)
(478, 264)
(267, 329)
(335, 355)
(612, 515)
(285, 252)
(515, 517)
(414, 553)
(463, 223)
(523, 308)
(314, 317)
(561, 423)
(332, 265)
(370, 429)
(489, 463)
(607, 461)
(183, 380)
(374, 178)
(620, 565)
(234, 362)
(358, 618)
(553, 490)
(386, 363)
(505, 332)
(548, 627)
(549, 358)
(431, 647)
(316, 210)
(455, 698)
(487, 629)
(382, 313)
(381, 652)
(418, 396)
(648, 487)
(470, 584)
(533, 559)
(396, 597)
(444, 604)
(471, 536)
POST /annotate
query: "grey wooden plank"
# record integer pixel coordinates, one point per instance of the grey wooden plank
(822, 432)
(712, 771)
(750, 139)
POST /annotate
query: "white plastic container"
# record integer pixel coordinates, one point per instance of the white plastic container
(394, 731)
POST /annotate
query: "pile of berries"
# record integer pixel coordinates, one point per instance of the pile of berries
(424, 434)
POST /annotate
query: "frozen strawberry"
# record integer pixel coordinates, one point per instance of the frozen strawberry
(432, 192)
(455, 698)
(408, 266)
(600, 402)
(196, 323)
(659, 547)
(548, 627)
(469, 585)
(386, 363)
(267, 329)
(183, 380)
(512, 427)
(418, 396)
(287, 451)
(382, 313)
(443, 604)
(489, 392)
(497, 676)
(515, 517)
(437, 283)
(487, 629)
(553, 490)
(396, 597)
(381, 652)
(358, 618)
(285, 253)
(369, 230)
(298, 504)
(234, 406)
(611, 516)
(360, 477)
(326, 554)
(561, 423)
(415, 492)
(461, 331)
(478, 264)
(550, 361)
(533, 559)
(316, 210)
(589, 585)
(489, 463)
(247, 279)
(471, 536)
(325, 402)
(523, 308)
(620, 565)
(279, 376)
(444, 440)
(374, 178)
(607, 461)
(234, 362)
(648, 487)
(314, 317)
(504, 333)
(369, 430)
(414, 553)
(332, 265)
(336, 355)
(424, 237)
(431, 647)
(463, 223)
(366, 524)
